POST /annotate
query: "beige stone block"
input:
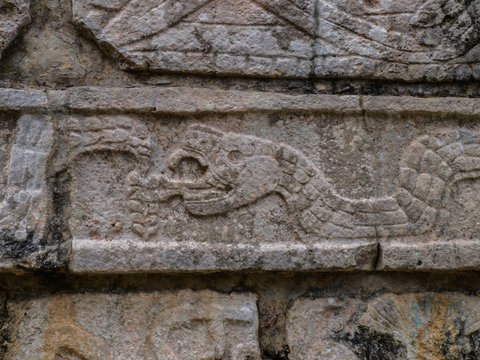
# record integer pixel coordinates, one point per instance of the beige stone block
(160, 325)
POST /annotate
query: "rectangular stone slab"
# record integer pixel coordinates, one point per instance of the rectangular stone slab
(410, 326)
(184, 179)
(159, 325)
(409, 40)
(205, 180)
(26, 143)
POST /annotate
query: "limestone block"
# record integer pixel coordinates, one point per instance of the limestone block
(159, 195)
(248, 37)
(205, 180)
(25, 148)
(410, 326)
(161, 325)
(431, 40)
(13, 15)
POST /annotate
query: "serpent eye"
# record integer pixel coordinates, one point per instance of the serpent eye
(235, 156)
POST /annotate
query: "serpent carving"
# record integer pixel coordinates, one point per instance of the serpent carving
(240, 169)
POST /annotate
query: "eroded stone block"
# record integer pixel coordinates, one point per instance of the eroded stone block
(197, 186)
(13, 15)
(410, 326)
(168, 326)
(248, 37)
(155, 195)
(25, 148)
(408, 40)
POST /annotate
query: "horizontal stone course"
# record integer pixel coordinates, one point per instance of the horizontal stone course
(198, 180)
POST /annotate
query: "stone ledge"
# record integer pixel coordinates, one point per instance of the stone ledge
(441, 255)
(132, 256)
(186, 101)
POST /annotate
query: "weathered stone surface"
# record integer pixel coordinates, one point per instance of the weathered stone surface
(13, 15)
(160, 325)
(410, 326)
(408, 40)
(432, 255)
(209, 200)
(388, 172)
(246, 37)
(22, 100)
(183, 101)
(25, 148)
(240, 183)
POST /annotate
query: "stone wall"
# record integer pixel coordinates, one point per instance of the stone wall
(239, 179)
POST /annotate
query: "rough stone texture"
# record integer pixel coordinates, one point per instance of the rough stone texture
(161, 325)
(166, 167)
(225, 37)
(26, 148)
(252, 180)
(409, 326)
(411, 40)
(13, 15)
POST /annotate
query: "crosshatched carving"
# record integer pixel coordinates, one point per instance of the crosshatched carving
(408, 39)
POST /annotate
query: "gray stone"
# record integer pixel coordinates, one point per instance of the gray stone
(255, 37)
(198, 101)
(222, 200)
(24, 206)
(434, 255)
(161, 325)
(22, 100)
(410, 326)
(13, 15)
(435, 40)
(407, 40)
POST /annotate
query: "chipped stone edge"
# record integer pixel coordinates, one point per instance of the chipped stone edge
(130, 256)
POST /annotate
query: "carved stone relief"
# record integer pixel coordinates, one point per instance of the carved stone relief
(13, 15)
(156, 326)
(409, 326)
(253, 37)
(203, 186)
(409, 39)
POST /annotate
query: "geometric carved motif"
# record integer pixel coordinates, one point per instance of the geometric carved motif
(408, 39)
(257, 37)
(151, 326)
(411, 40)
